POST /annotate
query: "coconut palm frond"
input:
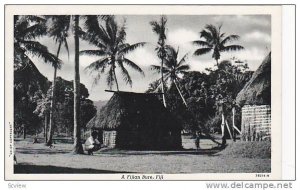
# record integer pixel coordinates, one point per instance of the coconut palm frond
(125, 74)
(183, 60)
(111, 29)
(160, 27)
(91, 24)
(183, 68)
(35, 31)
(121, 35)
(202, 51)
(98, 52)
(158, 68)
(92, 39)
(67, 47)
(206, 35)
(201, 43)
(132, 47)
(230, 38)
(232, 48)
(99, 64)
(59, 27)
(155, 27)
(213, 30)
(133, 65)
(36, 49)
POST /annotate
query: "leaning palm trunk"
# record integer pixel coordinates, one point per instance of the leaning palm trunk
(180, 93)
(223, 131)
(77, 148)
(162, 82)
(53, 102)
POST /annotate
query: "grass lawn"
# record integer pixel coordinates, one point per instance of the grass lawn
(36, 158)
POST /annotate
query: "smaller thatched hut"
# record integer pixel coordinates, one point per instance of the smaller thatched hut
(137, 121)
(255, 100)
(257, 90)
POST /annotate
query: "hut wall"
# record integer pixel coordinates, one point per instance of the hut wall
(109, 138)
(256, 123)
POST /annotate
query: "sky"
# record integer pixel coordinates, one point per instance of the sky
(254, 32)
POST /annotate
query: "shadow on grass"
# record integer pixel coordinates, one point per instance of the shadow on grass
(37, 169)
(45, 150)
(208, 152)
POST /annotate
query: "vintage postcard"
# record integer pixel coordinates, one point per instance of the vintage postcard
(142, 92)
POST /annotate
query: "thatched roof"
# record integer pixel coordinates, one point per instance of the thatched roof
(127, 110)
(257, 90)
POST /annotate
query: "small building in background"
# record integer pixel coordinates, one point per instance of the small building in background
(255, 100)
(137, 121)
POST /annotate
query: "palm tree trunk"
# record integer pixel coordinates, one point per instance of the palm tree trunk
(46, 128)
(53, 102)
(162, 82)
(115, 76)
(77, 147)
(180, 93)
(223, 131)
(217, 62)
(233, 125)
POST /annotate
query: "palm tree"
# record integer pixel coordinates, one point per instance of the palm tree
(77, 148)
(173, 68)
(111, 48)
(26, 30)
(159, 27)
(59, 32)
(65, 23)
(216, 41)
(62, 24)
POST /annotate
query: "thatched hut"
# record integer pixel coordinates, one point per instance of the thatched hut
(255, 100)
(257, 90)
(137, 121)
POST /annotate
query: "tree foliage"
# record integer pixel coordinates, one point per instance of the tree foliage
(203, 91)
(63, 112)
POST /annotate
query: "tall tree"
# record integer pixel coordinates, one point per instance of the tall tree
(216, 41)
(64, 23)
(173, 68)
(72, 22)
(77, 148)
(110, 40)
(59, 32)
(159, 27)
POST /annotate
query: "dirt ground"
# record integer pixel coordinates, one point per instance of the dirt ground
(36, 158)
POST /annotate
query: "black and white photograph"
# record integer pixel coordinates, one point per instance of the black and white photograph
(153, 92)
